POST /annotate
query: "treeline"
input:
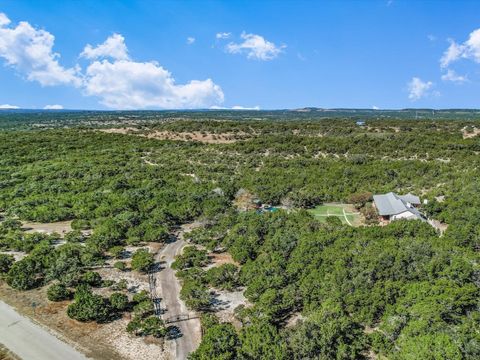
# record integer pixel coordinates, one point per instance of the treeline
(400, 291)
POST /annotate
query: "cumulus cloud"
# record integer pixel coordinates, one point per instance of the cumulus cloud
(111, 75)
(470, 49)
(126, 84)
(223, 35)
(8, 106)
(53, 107)
(122, 83)
(30, 52)
(453, 53)
(417, 88)
(375, 107)
(114, 47)
(190, 40)
(452, 76)
(256, 47)
(4, 20)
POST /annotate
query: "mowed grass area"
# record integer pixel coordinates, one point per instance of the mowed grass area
(345, 212)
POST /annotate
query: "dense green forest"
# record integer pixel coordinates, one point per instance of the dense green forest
(399, 291)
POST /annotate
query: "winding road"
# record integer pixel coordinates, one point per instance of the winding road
(29, 340)
(168, 288)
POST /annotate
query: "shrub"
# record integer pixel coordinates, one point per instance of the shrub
(142, 260)
(80, 224)
(116, 251)
(191, 257)
(120, 265)
(122, 284)
(23, 274)
(151, 325)
(88, 306)
(58, 292)
(140, 296)
(6, 262)
(92, 278)
(74, 236)
(119, 301)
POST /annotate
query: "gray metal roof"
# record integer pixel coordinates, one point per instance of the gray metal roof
(389, 204)
(393, 204)
(412, 199)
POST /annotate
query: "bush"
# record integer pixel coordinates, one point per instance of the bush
(6, 262)
(142, 260)
(116, 251)
(119, 301)
(140, 296)
(122, 284)
(223, 277)
(191, 257)
(80, 224)
(58, 292)
(151, 325)
(88, 306)
(23, 274)
(120, 265)
(92, 278)
(195, 295)
(74, 236)
(220, 342)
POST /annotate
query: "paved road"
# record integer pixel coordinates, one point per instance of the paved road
(30, 341)
(168, 288)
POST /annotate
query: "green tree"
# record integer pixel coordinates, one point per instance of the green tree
(88, 306)
(142, 260)
(261, 340)
(119, 301)
(219, 342)
(327, 334)
(92, 278)
(58, 292)
(23, 274)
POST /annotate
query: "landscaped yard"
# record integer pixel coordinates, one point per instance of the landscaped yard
(345, 212)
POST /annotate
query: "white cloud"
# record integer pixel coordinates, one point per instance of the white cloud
(4, 20)
(29, 51)
(418, 88)
(470, 49)
(190, 40)
(451, 75)
(122, 83)
(256, 47)
(223, 35)
(8, 106)
(239, 107)
(453, 53)
(53, 107)
(375, 107)
(118, 81)
(125, 84)
(114, 47)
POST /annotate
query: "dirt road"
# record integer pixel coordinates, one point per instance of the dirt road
(168, 288)
(30, 341)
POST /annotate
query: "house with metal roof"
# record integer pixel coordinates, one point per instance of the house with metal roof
(391, 206)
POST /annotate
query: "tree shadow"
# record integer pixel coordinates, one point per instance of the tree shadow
(173, 332)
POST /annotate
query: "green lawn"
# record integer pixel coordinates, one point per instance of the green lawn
(350, 216)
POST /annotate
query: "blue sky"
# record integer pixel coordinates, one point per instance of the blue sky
(266, 54)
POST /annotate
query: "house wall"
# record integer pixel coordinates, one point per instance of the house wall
(404, 215)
